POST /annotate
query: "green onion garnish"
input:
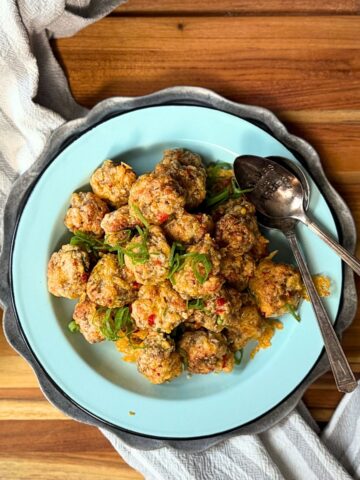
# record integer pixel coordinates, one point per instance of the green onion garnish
(115, 319)
(176, 247)
(90, 240)
(175, 259)
(219, 320)
(199, 260)
(73, 327)
(230, 192)
(138, 251)
(197, 304)
(293, 312)
(218, 198)
(139, 215)
(93, 245)
(120, 257)
(238, 356)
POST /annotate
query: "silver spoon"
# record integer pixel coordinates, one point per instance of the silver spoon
(287, 197)
(272, 191)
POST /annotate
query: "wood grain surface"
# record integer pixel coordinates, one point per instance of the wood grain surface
(300, 59)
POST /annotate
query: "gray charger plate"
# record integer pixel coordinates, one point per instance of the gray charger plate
(69, 132)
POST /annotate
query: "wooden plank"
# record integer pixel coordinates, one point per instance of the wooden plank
(27, 409)
(239, 7)
(321, 414)
(280, 63)
(14, 371)
(53, 436)
(58, 450)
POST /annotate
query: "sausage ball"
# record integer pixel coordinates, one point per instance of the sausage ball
(117, 224)
(238, 207)
(157, 197)
(89, 317)
(85, 213)
(248, 325)
(239, 232)
(199, 275)
(109, 284)
(68, 272)
(159, 308)
(118, 220)
(147, 256)
(277, 287)
(112, 182)
(187, 228)
(260, 248)
(187, 169)
(236, 268)
(158, 361)
(236, 225)
(213, 313)
(205, 352)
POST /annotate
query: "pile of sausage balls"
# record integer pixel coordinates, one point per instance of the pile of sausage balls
(171, 266)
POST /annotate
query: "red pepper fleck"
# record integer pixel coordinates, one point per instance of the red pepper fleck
(151, 319)
(136, 285)
(220, 302)
(84, 277)
(163, 217)
(224, 359)
(219, 311)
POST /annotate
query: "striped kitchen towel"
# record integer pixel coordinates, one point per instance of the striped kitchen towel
(34, 100)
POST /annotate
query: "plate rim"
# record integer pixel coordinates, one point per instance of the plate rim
(62, 137)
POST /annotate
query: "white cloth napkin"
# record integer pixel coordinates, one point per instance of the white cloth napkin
(34, 100)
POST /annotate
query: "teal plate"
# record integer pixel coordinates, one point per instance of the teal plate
(94, 376)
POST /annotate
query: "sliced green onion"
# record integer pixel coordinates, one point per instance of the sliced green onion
(219, 320)
(115, 319)
(94, 245)
(176, 247)
(138, 251)
(218, 198)
(238, 356)
(293, 312)
(197, 304)
(177, 264)
(198, 259)
(236, 190)
(139, 215)
(85, 238)
(230, 192)
(73, 327)
(120, 258)
(175, 259)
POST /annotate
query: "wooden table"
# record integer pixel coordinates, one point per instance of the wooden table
(299, 58)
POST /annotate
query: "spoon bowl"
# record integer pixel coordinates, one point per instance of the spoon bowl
(276, 190)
